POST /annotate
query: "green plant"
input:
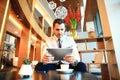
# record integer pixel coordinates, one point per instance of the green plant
(26, 61)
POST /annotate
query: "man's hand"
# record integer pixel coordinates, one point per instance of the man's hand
(47, 58)
(70, 58)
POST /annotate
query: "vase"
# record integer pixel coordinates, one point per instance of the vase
(73, 31)
(25, 70)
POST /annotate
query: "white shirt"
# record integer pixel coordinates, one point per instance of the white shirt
(66, 42)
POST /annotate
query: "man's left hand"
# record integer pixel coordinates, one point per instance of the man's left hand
(70, 58)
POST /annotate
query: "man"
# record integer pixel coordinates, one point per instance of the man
(59, 37)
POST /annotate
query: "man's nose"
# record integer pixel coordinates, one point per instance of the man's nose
(60, 31)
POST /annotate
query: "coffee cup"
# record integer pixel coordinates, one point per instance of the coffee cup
(64, 66)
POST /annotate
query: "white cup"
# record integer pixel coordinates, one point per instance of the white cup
(64, 66)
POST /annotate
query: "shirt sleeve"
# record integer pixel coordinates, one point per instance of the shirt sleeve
(44, 50)
(75, 50)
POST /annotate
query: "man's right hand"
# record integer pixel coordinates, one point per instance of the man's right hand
(47, 58)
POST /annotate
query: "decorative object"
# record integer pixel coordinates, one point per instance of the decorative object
(26, 69)
(61, 12)
(73, 19)
(92, 34)
(52, 5)
(62, 0)
(26, 61)
(73, 24)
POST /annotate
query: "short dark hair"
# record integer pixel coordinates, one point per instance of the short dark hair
(59, 21)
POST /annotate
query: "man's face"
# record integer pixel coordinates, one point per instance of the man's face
(59, 30)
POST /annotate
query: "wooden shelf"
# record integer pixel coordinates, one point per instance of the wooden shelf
(94, 38)
(96, 63)
(89, 39)
(86, 51)
(110, 50)
(107, 37)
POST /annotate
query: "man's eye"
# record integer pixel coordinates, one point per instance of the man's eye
(59, 29)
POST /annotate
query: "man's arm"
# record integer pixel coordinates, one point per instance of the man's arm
(75, 50)
(74, 57)
(46, 57)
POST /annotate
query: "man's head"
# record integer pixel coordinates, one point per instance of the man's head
(59, 27)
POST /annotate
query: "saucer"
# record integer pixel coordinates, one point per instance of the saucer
(64, 71)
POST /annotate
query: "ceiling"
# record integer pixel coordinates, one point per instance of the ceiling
(38, 18)
(61, 7)
(19, 13)
(91, 9)
(67, 3)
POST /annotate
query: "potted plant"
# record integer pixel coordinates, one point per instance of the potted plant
(26, 69)
(26, 61)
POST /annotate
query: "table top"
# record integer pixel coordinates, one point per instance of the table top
(50, 75)
(54, 75)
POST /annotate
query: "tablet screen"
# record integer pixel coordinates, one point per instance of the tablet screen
(59, 53)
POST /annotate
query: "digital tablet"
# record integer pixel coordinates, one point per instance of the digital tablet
(59, 53)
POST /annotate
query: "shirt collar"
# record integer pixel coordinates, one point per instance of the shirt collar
(55, 37)
(60, 38)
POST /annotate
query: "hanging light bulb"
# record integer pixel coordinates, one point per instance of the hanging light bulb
(52, 5)
(61, 12)
(62, 0)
